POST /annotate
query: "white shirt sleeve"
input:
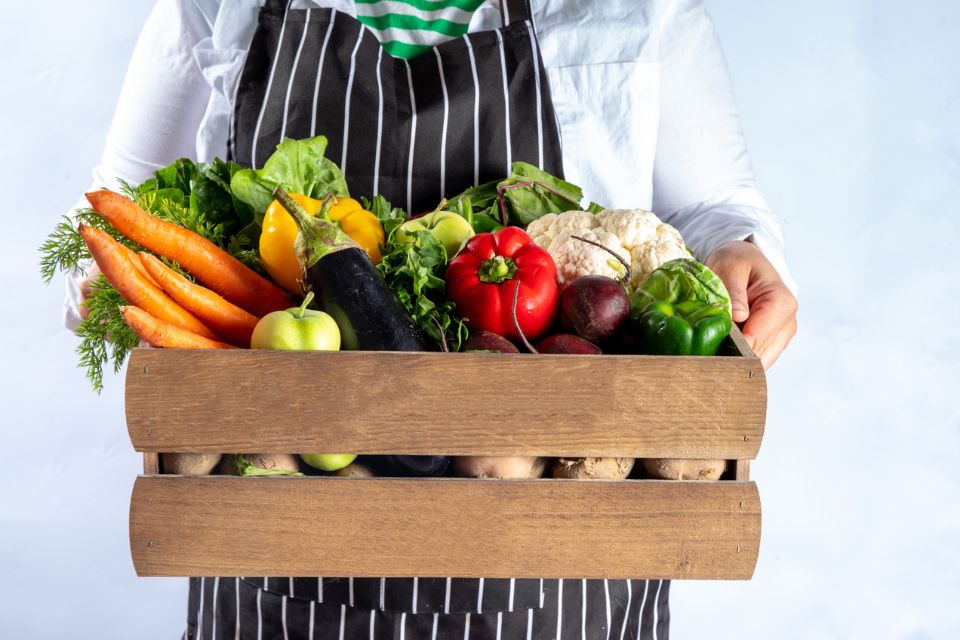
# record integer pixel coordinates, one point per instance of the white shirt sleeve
(162, 101)
(703, 182)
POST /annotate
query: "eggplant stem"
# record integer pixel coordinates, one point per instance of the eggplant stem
(626, 265)
(516, 322)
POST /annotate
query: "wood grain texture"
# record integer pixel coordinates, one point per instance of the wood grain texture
(741, 470)
(151, 463)
(453, 404)
(443, 527)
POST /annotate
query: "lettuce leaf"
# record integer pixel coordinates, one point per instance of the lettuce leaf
(298, 166)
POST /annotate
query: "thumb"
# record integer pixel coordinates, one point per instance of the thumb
(736, 276)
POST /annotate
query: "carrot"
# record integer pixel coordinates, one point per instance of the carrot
(163, 334)
(136, 289)
(135, 259)
(210, 264)
(227, 319)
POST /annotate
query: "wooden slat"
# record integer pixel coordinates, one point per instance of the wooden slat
(151, 463)
(443, 527)
(453, 404)
(741, 470)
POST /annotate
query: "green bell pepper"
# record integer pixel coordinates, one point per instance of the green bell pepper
(682, 308)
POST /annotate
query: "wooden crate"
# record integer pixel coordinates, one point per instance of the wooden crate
(450, 404)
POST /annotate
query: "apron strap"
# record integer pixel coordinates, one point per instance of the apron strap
(276, 6)
(514, 11)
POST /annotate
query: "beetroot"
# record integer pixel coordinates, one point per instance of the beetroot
(488, 341)
(594, 307)
(567, 343)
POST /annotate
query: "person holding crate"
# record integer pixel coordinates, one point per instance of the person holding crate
(637, 92)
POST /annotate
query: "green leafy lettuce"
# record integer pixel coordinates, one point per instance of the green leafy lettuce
(299, 166)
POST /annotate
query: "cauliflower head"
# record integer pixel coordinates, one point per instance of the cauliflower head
(636, 235)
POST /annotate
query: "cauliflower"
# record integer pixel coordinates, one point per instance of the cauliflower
(638, 236)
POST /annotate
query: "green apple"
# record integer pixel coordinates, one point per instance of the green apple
(450, 228)
(328, 461)
(297, 329)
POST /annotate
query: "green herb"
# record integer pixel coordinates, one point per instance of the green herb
(414, 272)
(104, 336)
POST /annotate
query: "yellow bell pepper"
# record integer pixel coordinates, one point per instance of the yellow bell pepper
(280, 232)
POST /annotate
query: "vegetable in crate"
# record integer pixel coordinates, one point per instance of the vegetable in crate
(481, 282)
(450, 228)
(682, 308)
(297, 329)
(369, 316)
(418, 465)
(328, 461)
(189, 464)
(208, 263)
(260, 464)
(637, 236)
(280, 233)
(684, 469)
(499, 466)
(593, 468)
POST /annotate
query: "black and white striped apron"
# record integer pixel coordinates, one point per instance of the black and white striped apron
(427, 608)
(414, 131)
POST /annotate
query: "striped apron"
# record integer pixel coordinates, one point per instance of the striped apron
(414, 131)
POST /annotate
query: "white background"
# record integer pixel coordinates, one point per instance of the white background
(852, 113)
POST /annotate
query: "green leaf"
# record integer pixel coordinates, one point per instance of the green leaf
(414, 272)
(298, 166)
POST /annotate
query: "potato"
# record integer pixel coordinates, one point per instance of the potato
(684, 469)
(499, 466)
(354, 470)
(189, 464)
(269, 461)
(593, 468)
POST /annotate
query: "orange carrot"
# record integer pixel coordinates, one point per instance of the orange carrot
(136, 289)
(210, 264)
(225, 318)
(163, 334)
(135, 259)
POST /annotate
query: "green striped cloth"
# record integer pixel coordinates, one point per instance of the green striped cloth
(407, 28)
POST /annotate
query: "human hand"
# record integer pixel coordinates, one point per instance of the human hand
(759, 298)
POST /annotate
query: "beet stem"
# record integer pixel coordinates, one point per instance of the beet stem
(516, 322)
(626, 265)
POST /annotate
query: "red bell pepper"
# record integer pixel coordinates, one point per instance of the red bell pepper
(482, 278)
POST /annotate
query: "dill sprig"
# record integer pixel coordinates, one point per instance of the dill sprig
(64, 249)
(104, 336)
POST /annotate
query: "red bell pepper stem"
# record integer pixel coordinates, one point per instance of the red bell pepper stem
(496, 270)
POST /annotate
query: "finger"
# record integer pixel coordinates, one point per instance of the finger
(735, 275)
(771, 325)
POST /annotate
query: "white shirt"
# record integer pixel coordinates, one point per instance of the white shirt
(640, 87)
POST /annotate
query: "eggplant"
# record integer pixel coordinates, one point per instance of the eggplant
(419, 465)
(348, 286)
